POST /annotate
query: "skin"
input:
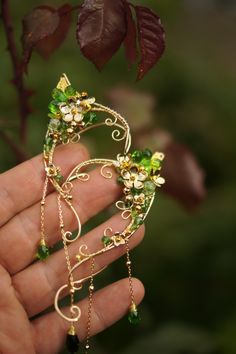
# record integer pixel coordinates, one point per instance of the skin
(28, 287)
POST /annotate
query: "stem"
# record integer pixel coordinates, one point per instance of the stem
(18, 152)
(18, 81)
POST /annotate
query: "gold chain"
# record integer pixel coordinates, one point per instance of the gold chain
(128, 264)
(68, 262)
(42, 210)
(90, 302)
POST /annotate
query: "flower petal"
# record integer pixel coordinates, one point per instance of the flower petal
(78, 117)
(125, 174)
(138, 184)
(158, 180)
(90, 100)
(128, 184)
(68, 117)
(142, 176)
(64, 109)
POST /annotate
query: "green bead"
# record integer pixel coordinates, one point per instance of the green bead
(63, 126)
(70, 91)
(137, 156)
(135, 191)
(90, 118)
(93, 118)
(106, 241)
(43, 252)
(149, 187)
(48, 144)
(53, 107)
(52, 116)
(136, 223)
(147, 154)
(155, 165)
(54, 124)
(134, 317)
(59, 178)
(49, 141)
(72, 343)
(59, 95)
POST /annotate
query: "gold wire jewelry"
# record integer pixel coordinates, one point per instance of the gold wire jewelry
(71, 114)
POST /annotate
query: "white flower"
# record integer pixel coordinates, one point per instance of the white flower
(158, 180)
(139, 199)
(123, 162)
(134, 178)
(118, 240)
(71, 112)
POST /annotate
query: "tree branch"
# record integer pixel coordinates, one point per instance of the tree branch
(18, 81)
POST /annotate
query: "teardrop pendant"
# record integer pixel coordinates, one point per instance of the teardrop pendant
(72, 341)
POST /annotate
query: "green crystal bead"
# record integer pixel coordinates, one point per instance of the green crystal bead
(146, 162)
(147, 154)
(72, 343)
(49, 141)
(62, 127)
(106, 241)
(134, 317)
(137, 156)
(48, 144)
(70, 91)
(59, 178)
(135, 191)
(155, 165)
(149, 187)
(43, 252)
(90, 118)
(137, 222)
(53, 107)
(54, 124)
(59, 95)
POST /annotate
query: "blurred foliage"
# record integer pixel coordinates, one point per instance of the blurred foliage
(187, 260)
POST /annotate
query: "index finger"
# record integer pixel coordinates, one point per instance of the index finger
(22, 186)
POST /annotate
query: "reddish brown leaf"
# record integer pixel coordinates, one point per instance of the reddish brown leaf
(131, 37)
(40, 23)
(184, 176)
(101, 29)
(46, 46)
(151, 39)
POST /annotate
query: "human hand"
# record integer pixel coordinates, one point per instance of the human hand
(28, 287)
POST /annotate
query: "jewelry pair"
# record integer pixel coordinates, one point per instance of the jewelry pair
(71, 114)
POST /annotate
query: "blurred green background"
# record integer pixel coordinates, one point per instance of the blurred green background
(187, 260)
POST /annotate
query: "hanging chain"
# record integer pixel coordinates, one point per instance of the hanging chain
(128, 264)
(68, 262)
(90, 302)
(42, 211)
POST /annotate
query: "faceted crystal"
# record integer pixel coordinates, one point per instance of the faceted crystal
(106, 241)
(59, 95)
(53, 107)
(72, 343)
(147, 154)
(137, 156)
(90, 117)
(134, 317)
(70, 91)
(149, 187)
(43, 252)
(155, 165)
